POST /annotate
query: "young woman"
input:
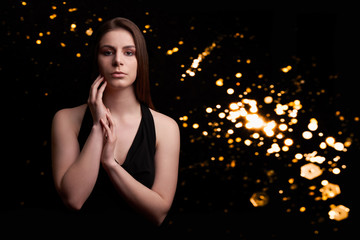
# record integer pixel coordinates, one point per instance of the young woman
(116, 153)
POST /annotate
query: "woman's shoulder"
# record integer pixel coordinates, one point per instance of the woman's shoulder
(167, 132)
(163, 121)
(70, 117)
(74, 112)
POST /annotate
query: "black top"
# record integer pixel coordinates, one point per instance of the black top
(105, 202)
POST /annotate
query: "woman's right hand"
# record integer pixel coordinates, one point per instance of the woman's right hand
(95, 102)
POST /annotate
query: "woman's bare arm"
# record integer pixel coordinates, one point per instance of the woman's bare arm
(75, 172)
(154, 203)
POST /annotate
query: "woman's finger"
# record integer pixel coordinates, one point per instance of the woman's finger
(97, 82)
(100, 92)
(95, 86)
(110, 120)
(106, 128)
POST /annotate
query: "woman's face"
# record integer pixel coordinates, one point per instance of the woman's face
(116, 59)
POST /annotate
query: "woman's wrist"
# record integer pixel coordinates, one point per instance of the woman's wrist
(110, 163)
(97, 127)
(97, 131)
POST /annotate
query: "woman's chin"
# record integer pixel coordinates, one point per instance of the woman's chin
(119, 83)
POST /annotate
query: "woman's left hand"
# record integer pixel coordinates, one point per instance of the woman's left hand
(110, 138)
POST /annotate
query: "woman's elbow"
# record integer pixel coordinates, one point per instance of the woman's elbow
(72, 203)
(74, 206)
(70, 200)
(158, 220)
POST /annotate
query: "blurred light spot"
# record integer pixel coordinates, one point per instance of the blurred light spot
(310, 171)
(268, 99)
(336, 171)
(286, 69)
(52, 16)
(330, 141)
(283, 127)
(313, 125)
(209, 110)
(339, 212)
(238, 75)
(219, 82)
(259, 199)
(288, 142)
(230, 91)
(339, 146)
(307, 135)
(329, 190)
(89, 32)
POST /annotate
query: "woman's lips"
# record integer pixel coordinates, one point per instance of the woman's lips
(118, 74)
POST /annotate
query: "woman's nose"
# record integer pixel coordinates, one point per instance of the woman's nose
(118, 60)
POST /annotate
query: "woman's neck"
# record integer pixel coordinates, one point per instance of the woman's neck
(121, 101)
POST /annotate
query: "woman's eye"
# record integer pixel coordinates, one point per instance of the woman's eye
(129, 53)
(107, 53)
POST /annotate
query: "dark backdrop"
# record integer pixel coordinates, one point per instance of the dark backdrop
(319, 42)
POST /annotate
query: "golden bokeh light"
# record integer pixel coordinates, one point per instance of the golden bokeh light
(339, 212)
(310, 171)
(259, 199)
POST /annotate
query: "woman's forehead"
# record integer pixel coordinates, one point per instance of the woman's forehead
(118, 38)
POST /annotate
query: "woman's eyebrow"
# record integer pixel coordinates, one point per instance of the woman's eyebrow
(129, 46)
(108, 46)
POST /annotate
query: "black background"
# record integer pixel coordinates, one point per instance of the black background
(34, 89)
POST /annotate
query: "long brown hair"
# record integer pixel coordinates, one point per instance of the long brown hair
(142, 82)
